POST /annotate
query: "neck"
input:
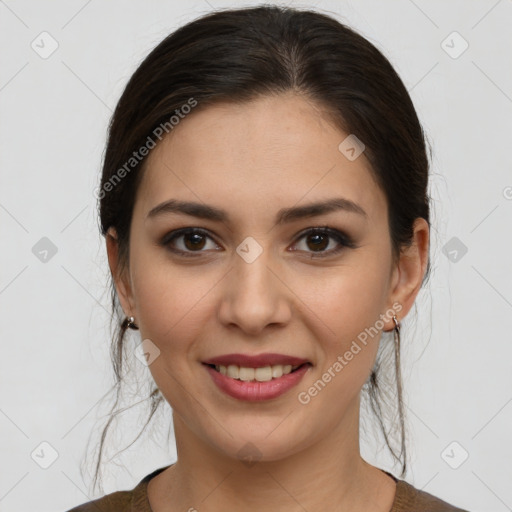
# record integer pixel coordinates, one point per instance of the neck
(326, 471)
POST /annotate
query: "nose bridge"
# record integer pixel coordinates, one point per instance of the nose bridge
(252, 269)
(254, 297)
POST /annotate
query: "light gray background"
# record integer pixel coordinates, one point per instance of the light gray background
(54, 315)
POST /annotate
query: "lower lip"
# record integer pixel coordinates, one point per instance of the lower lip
(257, 391)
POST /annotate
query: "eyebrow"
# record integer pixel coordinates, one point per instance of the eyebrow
(283, 216)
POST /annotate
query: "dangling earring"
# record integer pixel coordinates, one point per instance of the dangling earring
(396, 334)
(130, 323)
(397, 330)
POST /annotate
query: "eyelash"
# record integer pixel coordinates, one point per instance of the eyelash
(342, 239)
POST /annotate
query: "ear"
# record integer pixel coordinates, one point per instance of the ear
(410, 270)
(120, 276)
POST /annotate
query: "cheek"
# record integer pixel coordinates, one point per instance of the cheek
(172, 308)
(348, 299)
(347, 304)
(171, 302)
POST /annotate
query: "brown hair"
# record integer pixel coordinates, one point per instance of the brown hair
(235, 55)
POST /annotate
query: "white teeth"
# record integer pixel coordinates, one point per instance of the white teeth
(233, 371)
(246, 374)
(263, 374)
(277, 371)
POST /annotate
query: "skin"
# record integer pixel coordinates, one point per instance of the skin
(251, 160)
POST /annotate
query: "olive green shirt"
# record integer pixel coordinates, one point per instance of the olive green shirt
(407, 499)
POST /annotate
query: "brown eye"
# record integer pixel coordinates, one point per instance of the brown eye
(317, 240)
(188, 242)
(193, 241)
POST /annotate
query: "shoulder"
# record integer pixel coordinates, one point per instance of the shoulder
(409, 498)
(120, 501)
(116, 501)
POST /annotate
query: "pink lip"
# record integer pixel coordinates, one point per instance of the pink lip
(255, 361)
(257, 391)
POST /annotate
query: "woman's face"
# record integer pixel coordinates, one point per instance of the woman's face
(256, 282)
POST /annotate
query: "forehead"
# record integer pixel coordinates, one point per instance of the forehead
(261, 155)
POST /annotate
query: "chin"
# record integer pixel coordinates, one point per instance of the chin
(260, 447)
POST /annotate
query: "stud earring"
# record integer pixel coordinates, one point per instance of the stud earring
(130, 323)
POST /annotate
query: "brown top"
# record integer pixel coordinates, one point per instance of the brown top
(407, 499)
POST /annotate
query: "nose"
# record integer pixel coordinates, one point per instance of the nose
(255, 296)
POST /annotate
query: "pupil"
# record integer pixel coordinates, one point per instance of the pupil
(316, 244)
(197, 238)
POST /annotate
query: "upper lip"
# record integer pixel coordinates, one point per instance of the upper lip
(256, 361)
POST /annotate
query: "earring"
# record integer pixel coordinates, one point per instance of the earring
(397, 325)
(398, 373)
(396, 335)
(130, 323)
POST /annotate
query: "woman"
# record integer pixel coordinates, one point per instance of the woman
(264, 202)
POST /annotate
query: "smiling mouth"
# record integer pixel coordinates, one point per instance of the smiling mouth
(261, 374)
